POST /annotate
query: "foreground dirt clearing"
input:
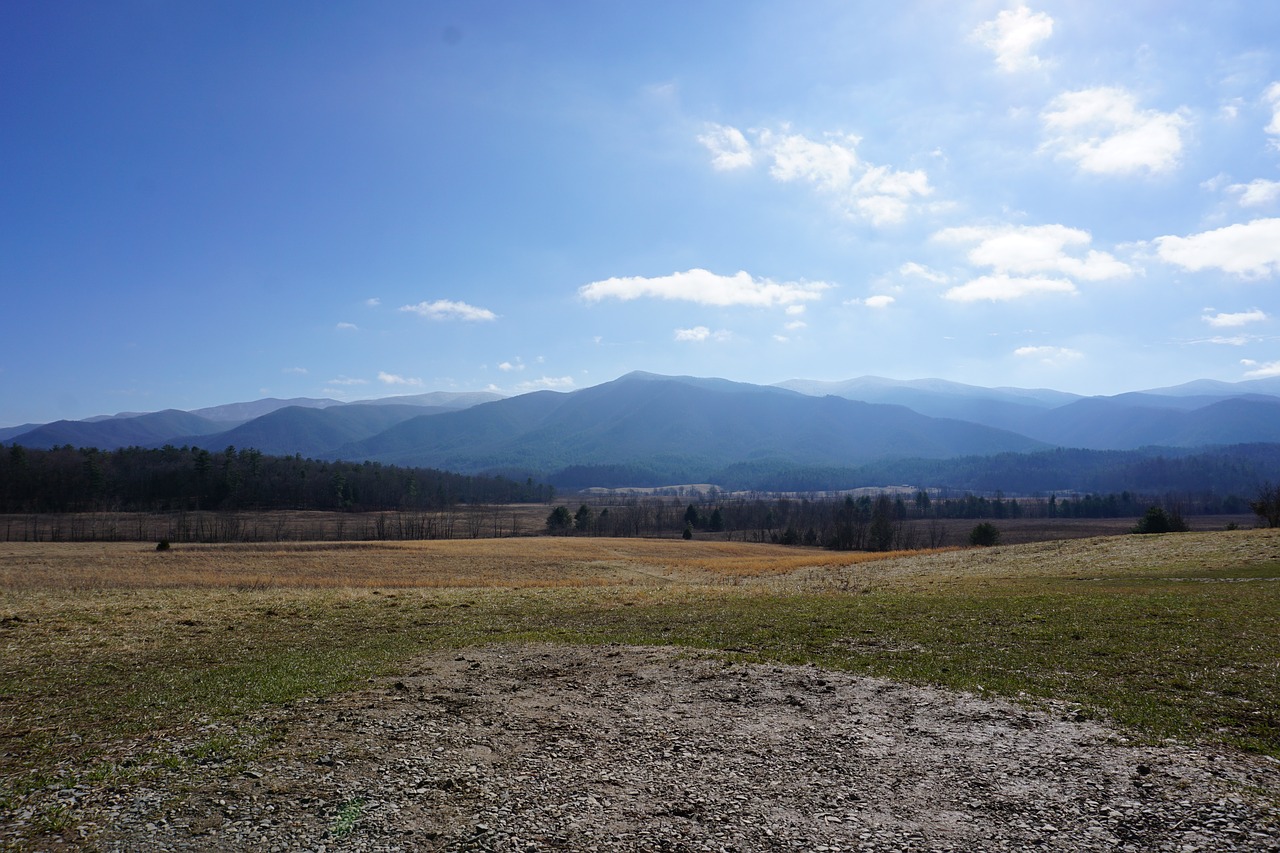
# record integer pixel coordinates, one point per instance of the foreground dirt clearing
(546, 747)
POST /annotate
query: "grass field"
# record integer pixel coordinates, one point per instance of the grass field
(1168, 636)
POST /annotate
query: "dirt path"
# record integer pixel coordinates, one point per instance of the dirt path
(524, 748)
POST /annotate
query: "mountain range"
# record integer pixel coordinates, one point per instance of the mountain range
(646, 429)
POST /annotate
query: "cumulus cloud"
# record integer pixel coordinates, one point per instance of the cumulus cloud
(1049, 355)
(706, 288)
(1013, 35)
(1240, 318)
(1262, 371)
(879, 194)
(1250, 250)
(1027, 260)
(729, 148)
(445, 309)
(1104, 132)
(878, 301)
(1005, 288)
(1256, 193)
(373, 302)
(545, 383)
(700, 334)
(508, 366)
(392, 379)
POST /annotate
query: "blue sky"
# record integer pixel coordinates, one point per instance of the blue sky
(207, 202)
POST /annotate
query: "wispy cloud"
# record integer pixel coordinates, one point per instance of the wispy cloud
(911, 268)
(1240, 318)
(346, 380)
(1250, 250)
(394, 379)
(881, 195)
(701, 334)
(299, 371)
(373, 302)
(347, 327)
(547, 383)
(706, 288)
(1013, 35)
(1104, 132)
(445, 309)
(880, 300)
(1049, 355)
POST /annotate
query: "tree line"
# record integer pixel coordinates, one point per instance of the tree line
(886, 521)
(172, 479)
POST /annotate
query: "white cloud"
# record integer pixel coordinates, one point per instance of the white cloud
(828, 165)
(1030, 249)
(796, 325)
(1272, 97)
(700, 334)
(347, 327)
(782, 339)
(1103, 132)
(795, 310)
(1257, 193)
(1004, 288)
(911, 268)
(1013, 35)
(1250, 250)
(445, 309)
(392, 379)
(1263, 371)
(344, 380)
(544, 383)
(879, 194)
(1232, 341)
(1240, 318)
(516, 365)
(878, 301)
(706, 288)
(373, 302)
(729, 148)
(1054, 356)
(300, 371)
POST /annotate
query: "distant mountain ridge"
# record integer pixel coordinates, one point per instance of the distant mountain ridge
(664, 429)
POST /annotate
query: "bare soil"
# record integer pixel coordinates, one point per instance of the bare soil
(544, 747)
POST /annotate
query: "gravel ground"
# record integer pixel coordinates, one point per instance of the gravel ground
(525, 748)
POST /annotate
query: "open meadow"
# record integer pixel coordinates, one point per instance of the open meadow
(134, 682)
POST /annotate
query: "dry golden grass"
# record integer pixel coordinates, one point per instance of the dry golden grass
(502, 563)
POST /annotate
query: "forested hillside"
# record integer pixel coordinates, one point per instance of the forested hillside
(66, 479)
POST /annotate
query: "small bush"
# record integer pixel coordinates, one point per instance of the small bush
(1157, 520)
(984, 535)
(162, 545)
